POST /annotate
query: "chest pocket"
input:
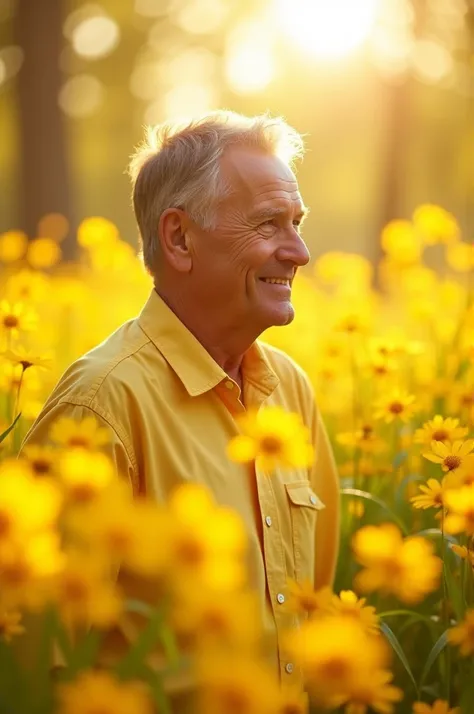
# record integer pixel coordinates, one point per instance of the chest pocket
(304, 507)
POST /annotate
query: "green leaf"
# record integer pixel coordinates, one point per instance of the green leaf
(397, 648)
(134, 658)
(156, 688)
(400, 497)
(437, 648)
(84, 652)
(455, 594)
(408, 613)
(399, 458)
(4, 435)
(375, 499)
(140, 608)
(436, 533)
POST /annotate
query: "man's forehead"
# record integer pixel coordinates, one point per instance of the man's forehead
(251, 171)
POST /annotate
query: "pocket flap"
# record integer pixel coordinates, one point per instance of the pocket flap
(303, 495)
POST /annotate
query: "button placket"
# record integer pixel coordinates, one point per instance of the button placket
(275, 564)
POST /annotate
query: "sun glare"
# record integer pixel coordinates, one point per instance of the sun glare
(327, 29)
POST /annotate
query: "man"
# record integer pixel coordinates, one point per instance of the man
(219, 213)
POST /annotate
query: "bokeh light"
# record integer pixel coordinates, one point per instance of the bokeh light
(199, 16)
(431, 61)
(54, 225)
(249, 63)
(327, 29)
(81, 96)
(95, 37)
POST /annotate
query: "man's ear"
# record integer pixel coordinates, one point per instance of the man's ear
(174, 239)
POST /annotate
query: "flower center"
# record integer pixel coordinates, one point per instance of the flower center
(4, 524)
(440, 435)
(78, 440)
(190, 551)
(75, 590)
(236, 702)
(10, 322)
(41, 466)
(270, 445)
(336, 669)
(396, 407)
(452, 462)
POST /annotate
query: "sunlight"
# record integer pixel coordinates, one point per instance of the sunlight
(328, 30)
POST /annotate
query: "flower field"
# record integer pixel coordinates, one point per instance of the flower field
(390, 352)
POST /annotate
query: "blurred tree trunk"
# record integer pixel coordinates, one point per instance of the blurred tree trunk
(398, 99)
(44, 171)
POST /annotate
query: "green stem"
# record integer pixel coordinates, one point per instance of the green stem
(445, 605)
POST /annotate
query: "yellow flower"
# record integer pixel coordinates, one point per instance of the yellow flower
(120, 529)
(463, 635)
(27, 505)
(363, 438)
(84, 474)
(452, 457)
(243, 685)
(26, 358)
(96, 231)
(272, 437)
(432, 495)
(96, 691)
(42, 459)
(305, 600)
(28, 569)
(43, 253)
(349, 605)
(401, 243)
(460, 256)
(406, 567)
(86, 433)
(17, 317)
(463, 552)
(440, 706)
(84, 595)
(207, 542)
(13, 245)
(202, 618)
(460, 505)
(435, 224)
(397, 404)
(27, 286)
(10, 624)
(439, 429)
(336, 656)
(293, 701)
(375, 692)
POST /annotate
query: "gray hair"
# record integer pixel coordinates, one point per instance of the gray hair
(178, 166)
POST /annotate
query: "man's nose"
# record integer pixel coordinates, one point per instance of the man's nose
(294, 249)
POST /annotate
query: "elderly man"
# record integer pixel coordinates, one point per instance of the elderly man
(220, 214)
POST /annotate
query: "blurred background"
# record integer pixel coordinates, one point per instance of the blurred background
(382, 89)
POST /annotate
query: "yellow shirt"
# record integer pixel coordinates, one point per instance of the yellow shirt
(170, 410)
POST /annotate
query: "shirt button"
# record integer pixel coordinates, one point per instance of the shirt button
(289, 668)
(229, 384)
(268, 521)
(281, 598)
(313, 500)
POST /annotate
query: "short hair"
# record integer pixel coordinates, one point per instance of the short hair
(178, 166)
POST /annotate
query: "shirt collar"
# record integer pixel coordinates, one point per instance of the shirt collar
(190, 361)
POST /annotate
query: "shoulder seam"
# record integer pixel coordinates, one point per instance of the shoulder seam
(96, 385)
(104, 414)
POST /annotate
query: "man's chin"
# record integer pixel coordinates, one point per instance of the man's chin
(281, 316)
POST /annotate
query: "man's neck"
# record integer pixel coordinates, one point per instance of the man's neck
(226, 345)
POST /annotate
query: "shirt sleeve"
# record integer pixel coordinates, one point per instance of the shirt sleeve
(121, 457)
(325, 482)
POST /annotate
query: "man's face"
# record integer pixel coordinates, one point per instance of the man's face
(246, 265)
